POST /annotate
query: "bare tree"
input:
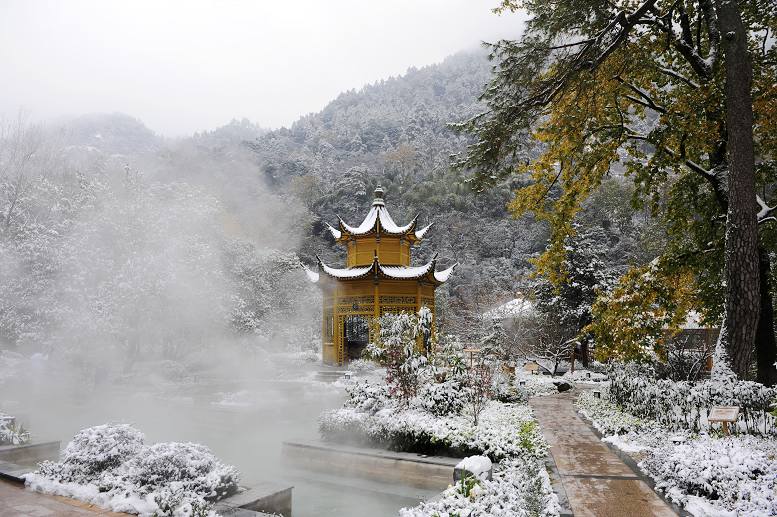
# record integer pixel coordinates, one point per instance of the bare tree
(21, 157)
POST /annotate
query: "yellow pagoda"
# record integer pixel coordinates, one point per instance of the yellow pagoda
(377, 279)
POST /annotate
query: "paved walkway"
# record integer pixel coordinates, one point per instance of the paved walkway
(597, 482)
(16, 501)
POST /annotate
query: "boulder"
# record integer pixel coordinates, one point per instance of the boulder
(562, 386)
(473, 466)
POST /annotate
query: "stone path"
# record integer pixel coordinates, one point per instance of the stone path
(16, 501)
(596, 481)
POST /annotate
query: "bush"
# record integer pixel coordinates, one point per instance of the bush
(188, 467)
(108, 466)
(500, 434)
(12, 433)
(606, 416)
(362, 365)
(367, 397)
(737, 472)
(521, 488)
(684, 405)
(441, 399)
(93, 451)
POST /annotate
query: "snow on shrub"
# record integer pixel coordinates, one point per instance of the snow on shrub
(520, 489)
(685, 405)
(187, 467)
(109, 466)
(734, 474)
(505, 430)
(94, 451)
(707, 475)
(441, 398)
(368, 397)
(606, 417)
(12, 433)
(361, 365)
(536, 385)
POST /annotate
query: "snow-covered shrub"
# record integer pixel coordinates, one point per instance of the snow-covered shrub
(187, 467)
(362, 365)
(504, 430)
(605, 415)
(441, 398)
(11, 432)
(367, 397)
(706, 475)
(108, 466)
(177, 502)
(510, 393)
(597, 367)
(735, 474)
(520, 489)
(93, 451)
(536, 385)
(685, 405)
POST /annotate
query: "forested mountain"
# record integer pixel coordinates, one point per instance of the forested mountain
(396, 132)
(117, 239)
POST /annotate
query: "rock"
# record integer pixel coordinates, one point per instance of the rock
(473, 466)
(562, 386)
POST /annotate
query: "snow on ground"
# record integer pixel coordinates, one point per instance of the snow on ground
(536, 385)
(585, 377)
(708, 474)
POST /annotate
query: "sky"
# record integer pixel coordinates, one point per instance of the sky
(186, 66)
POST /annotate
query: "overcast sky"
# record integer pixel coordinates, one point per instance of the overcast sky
(191, 65)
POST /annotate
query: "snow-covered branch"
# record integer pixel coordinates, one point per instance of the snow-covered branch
(679, 76)
(766, 212)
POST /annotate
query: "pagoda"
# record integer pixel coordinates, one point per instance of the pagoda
(377, 279)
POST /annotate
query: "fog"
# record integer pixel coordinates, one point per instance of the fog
(159, 289)
(154, 280)
(186, 66)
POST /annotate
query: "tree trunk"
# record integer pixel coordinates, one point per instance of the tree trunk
(765, 344)
(742, 279)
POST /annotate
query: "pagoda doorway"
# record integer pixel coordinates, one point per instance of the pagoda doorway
(356, 332)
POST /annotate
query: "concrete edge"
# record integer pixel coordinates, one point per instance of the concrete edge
(629, 461)
(377, 453)
(558, 486)
(13, 476)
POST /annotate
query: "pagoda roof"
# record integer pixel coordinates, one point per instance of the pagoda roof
(426, 272)
(378, 220)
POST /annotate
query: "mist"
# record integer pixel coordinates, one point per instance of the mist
(159, 289)
(153, 229)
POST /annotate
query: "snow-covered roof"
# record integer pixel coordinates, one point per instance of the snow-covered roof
(378, 220)
(428, 272)
(334, 231)
(515, 308)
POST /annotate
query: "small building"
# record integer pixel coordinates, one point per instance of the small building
(377, 279)
(693, 342)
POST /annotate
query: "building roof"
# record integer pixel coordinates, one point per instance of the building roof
(426, 272)
(378, 220)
